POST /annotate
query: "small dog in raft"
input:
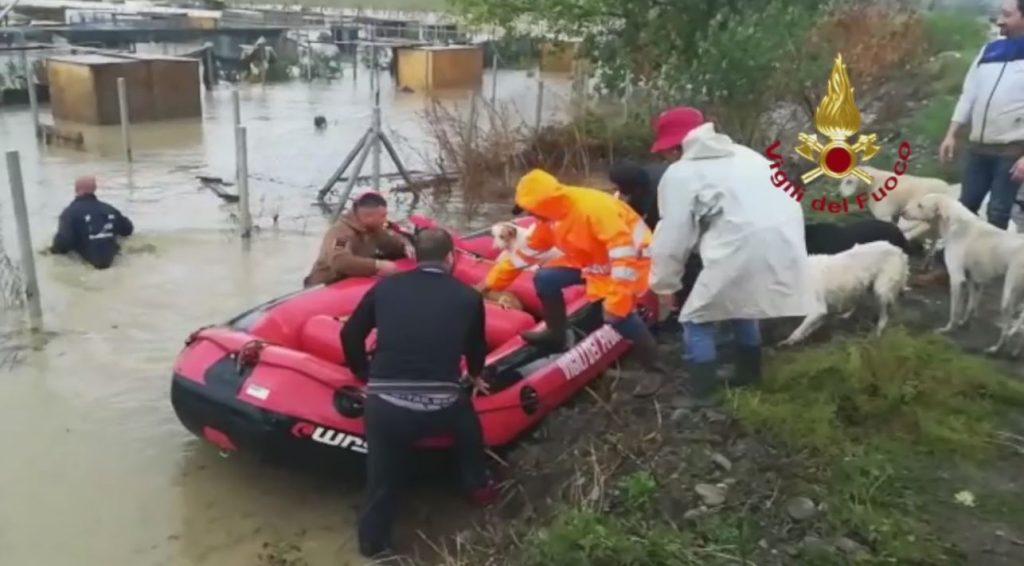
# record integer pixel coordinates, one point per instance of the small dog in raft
(508, 237)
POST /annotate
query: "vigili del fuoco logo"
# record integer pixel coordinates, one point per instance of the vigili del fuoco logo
(838, 119)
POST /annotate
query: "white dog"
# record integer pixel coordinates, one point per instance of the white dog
(976, 253)
(839, 280)
(908, 188)
(509, 237)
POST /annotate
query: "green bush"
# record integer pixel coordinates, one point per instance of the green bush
(949, 30)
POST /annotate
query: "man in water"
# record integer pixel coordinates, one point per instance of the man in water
(426, 321)
(89, 227)
(358, 245)
(604, 245)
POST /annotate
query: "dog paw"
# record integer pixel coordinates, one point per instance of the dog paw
(945, 329)
(991, 350)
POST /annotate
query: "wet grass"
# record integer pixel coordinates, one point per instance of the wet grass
(874, 420)
(881, 433)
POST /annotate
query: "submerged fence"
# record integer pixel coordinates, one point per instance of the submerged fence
(12, 283)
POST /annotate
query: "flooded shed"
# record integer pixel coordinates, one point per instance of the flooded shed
(558, 57)
(440, 67)
(83, 88)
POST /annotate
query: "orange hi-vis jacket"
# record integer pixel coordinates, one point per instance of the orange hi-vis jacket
(597, 233)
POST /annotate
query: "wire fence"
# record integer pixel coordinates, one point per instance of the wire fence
(12, 283)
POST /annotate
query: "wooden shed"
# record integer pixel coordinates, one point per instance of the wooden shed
(558, 57)
(83, 88)
(440, 67)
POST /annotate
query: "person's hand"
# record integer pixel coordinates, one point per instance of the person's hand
(480, 386)
(1017, 171)
(481, 287)
(386, 268)
(666, 304)
(947, 148)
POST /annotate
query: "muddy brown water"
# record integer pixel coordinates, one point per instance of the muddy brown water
(94, 466)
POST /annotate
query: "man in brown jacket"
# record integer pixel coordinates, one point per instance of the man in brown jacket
(358, 245)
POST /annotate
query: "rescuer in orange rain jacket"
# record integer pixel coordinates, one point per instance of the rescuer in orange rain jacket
(603, 243)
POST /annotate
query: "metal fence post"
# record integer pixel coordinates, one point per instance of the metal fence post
(242, 173)
(122, 102)
(494, 78)
(540, 105)
(28, 262)
(30, 84)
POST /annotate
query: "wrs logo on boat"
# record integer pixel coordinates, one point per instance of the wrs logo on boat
(838, 119)
(329, 436)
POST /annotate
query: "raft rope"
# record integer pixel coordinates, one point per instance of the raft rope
(260, 344)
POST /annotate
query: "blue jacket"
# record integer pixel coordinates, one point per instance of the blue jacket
(88, 227)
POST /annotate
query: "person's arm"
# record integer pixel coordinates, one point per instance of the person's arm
(968, 96)
(476, 344)
(617, 237)
(64, 239)
(122, 225)
(674, 238)
(345, 263)
(391, 245)
(354, 333)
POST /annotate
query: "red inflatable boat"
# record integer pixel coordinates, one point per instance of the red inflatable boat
(273, 380)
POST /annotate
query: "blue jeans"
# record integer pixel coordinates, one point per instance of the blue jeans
(549, 282)
(984, 173)
(699, 338)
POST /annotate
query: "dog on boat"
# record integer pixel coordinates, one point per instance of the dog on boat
(319, 122)
(509, 237)
(827, 238)
(839, 280)
(504, 299)
(976, 253)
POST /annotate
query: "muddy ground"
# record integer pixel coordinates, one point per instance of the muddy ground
(604, 433)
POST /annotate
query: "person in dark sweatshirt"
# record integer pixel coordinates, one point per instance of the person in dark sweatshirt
(426, 321)
(90, 227)
(638, 186)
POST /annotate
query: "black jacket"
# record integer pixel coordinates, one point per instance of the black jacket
(639, 187)
(89, 226)
(426, 320)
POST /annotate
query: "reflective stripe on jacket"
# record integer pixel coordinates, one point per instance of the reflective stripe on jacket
(597, 233)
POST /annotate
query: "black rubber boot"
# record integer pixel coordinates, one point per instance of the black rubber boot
(704, 384)
(553, 334)
(748, 366)
(645, 351)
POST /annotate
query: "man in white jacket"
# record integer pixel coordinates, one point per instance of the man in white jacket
(992, 102)
(717, 197)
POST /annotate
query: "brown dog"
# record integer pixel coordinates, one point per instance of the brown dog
(504, 299)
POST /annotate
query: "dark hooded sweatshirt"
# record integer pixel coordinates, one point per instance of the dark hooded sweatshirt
(88, 227)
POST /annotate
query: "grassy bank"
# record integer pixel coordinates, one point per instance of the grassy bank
(877, 451)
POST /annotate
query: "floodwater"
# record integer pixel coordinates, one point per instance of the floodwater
(94, 466)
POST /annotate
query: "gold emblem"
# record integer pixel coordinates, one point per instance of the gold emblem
(837, 118)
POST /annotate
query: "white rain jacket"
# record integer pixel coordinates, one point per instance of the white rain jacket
(993, 93)
(719, 198)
